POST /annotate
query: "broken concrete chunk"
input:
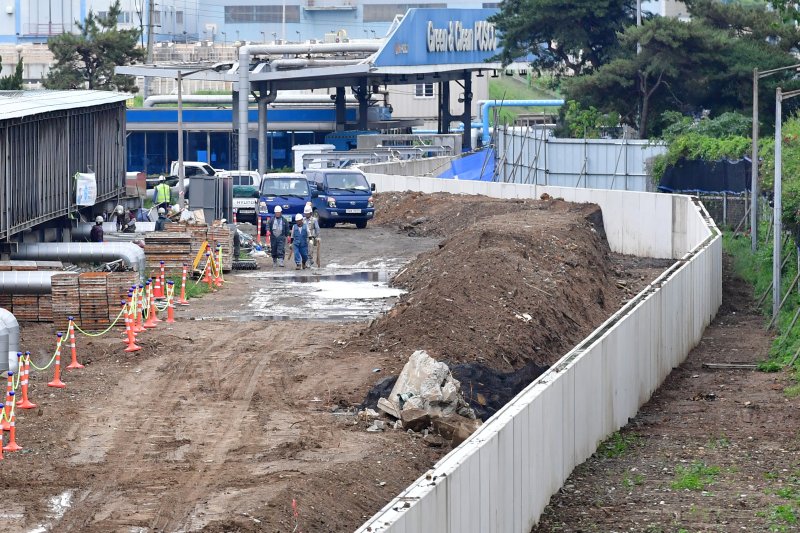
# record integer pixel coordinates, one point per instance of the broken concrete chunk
(434, 441)
(388, 407)
(426, 384)
(415, 419)
(456, 428)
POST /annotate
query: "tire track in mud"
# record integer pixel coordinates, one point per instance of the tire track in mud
(163, 405)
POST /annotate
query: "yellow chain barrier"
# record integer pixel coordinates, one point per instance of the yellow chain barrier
(109, 328)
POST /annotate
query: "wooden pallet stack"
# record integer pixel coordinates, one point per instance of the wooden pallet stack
(93, 288)
(45, 308)
(66, 298)
(224, 236)
(173, 248)
(118, 284)
(26, 307)
(6, 302)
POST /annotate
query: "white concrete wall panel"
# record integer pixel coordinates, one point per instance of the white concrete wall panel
(501, 479)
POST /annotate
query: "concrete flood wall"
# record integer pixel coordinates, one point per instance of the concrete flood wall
(501, 478)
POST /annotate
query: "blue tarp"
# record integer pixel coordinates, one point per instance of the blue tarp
(476, 167)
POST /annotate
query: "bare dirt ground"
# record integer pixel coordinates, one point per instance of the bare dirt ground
(713, 450)
(219, 425)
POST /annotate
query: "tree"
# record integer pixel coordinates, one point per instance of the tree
(575, 35)
(87, 59)
(706, 63)
(14, 81)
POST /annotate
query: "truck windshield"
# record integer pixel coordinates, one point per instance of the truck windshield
(285, 187)
(348, 182)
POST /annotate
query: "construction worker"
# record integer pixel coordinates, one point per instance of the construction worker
(162, 193)
(279, 230)
(312, 226)
(125, 222)
(300, 242)
(96, 234)
(162, 219)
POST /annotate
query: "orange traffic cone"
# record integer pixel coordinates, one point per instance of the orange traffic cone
(207, 278)
(151, 314)
(12, 445)
(258, 230)
(158, 292)
(26, 403)
(182, 300)
(170, 306)
(138, 327)
(163, 279)
(57, 383)
(220, 280)
(234, 217)
(74, 364)
(5, 423)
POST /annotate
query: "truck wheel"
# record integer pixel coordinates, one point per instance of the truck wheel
(362, 224)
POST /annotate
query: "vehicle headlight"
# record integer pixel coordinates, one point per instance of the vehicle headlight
(331, 202)
(369, 202)
(262, 207)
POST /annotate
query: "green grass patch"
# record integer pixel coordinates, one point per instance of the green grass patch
(632, 481)
(506, 88)
(696, 476)
(194, 289)
(756, 269)
(781, 517)
(618, 444)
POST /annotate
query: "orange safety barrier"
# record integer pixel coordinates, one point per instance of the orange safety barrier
(57, 383)
(129, 326)
(151, 314)
(5, 425)
(163, 280)
(26, 403)
(234, 217)
(12, 445)
(158, 292)
(258, 230)
(74, 364)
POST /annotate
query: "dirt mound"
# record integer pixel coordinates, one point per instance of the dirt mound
(501, 290)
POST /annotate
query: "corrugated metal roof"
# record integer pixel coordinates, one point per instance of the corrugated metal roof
(18, 104)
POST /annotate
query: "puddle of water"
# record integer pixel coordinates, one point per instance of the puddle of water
(58, 506)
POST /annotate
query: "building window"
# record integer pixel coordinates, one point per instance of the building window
(156, 18)
(423, 90)
(387, 12)
(260, 14)
(179, 17)
(124, 17)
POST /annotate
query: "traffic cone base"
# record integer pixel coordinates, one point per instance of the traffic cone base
(57, 383)
(12, 445)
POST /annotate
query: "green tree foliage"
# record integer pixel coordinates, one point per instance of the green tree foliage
(584, 123)
(706, 63)
(87, 59)
(575, 35)
(711, 139)
(14, 81)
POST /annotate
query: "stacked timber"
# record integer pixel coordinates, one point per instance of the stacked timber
(93, 290)
(224, 236)
(174, 248)
(26, 307)
(45, 308)
(66, 298)
(118, 284)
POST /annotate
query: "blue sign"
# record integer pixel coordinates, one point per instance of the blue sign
(440, 37)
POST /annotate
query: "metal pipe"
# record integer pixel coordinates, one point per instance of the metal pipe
(11, 327)
(279, 49)
(27, 282)
(90, 252)
(486, 105)
(153, 101)
(5, 363)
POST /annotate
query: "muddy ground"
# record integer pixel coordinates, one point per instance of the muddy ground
(240, 408)
(713, 450)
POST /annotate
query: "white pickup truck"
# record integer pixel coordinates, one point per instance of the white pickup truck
(246, 186)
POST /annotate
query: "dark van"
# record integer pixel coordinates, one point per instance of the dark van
(341, 195)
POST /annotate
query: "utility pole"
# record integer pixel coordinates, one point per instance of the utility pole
(151, 8)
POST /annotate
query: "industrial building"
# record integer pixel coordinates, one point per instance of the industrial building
(46, 137)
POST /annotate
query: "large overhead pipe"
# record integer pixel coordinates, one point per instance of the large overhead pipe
(4, 362)
(27, 282)
(10, 325)
(486, 105)
(245, 52)
(153, 101)
(92, 252)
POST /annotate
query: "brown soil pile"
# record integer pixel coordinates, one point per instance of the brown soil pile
(514, 282)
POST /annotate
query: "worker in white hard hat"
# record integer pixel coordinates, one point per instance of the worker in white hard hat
(300, 242)
(96, 234)
(278, 231)
(162, 193)
(312, 226)
(162, 219)
(125, 222)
